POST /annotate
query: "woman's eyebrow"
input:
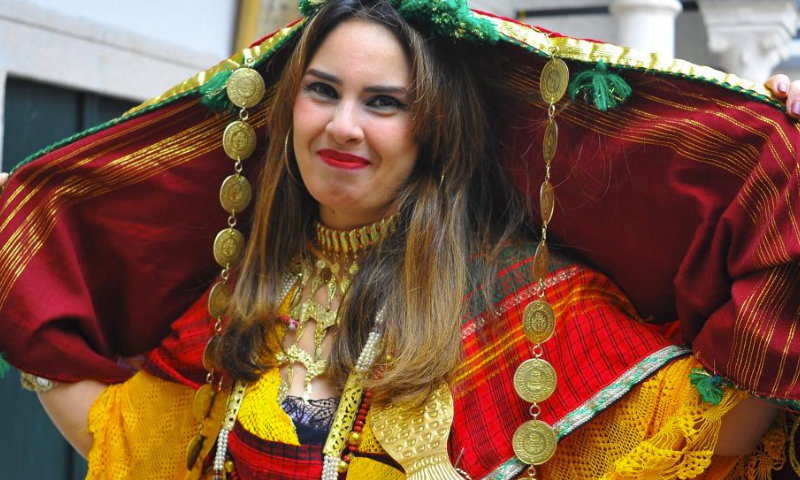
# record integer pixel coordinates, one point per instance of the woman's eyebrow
(324, 76)
(371, 89)
(386, 89)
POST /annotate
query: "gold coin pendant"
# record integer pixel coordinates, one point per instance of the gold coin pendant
(541, 262)
(239, 140)
(245, 87)
(535, 380)
(538, 321)
(193, 451)
(201, 404)
(235, 194)
(554, 80)
(550, 142)
(547, 201)
(229, 247)
(208, 353)
(219, 299)
(534, 442)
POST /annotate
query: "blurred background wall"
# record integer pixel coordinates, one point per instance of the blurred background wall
(66, 65)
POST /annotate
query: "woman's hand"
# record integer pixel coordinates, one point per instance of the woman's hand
(787, 90)
(3, 178)
(68, 405)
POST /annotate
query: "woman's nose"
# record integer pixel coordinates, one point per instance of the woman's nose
(345, 125)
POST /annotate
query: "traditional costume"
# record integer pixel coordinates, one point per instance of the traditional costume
(679, 182)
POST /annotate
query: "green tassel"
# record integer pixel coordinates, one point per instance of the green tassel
(600, 87)
(443, 18)
(707, 385)
(4, 366)
(215, 97)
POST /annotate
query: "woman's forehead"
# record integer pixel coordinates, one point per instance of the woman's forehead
(356, 48)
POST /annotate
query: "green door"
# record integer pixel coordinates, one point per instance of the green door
(38, 115)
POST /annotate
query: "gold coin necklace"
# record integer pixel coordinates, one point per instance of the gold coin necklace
(534, 442)
(245, 88)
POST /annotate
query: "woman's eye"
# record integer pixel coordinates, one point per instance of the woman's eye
(385, 102)
(321, 89)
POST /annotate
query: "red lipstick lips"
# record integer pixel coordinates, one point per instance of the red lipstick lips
(342, 160)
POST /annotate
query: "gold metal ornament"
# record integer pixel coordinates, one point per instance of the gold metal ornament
(235, 194)
(535, 380)
(417, 437)
(193, 451)
(550, 142)
(219, 299)
(538, 321)
(547, 201)
(203, 399)
(554, 80)
(239, 140)
(245, 87)
(541, 261)
(534, 442)
(229, 247)
(208, 353)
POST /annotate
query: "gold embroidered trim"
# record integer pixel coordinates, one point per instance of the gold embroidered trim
(615, 55)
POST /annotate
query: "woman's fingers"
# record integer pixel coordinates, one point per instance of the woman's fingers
(779, 84)
(3, 178)
(793, 99)
(785, 89)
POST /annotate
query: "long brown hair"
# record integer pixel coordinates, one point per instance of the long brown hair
(455, 214)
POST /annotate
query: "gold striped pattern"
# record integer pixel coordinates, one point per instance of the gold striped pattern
(155, 158)
(755, 327)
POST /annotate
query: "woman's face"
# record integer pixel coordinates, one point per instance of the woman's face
(352, 132)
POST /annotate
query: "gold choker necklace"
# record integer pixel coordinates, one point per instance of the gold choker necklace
(354, 241)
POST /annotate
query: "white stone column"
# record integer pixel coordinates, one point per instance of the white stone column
(750, 36)
(647, 25)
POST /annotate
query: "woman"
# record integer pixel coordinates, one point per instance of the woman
(380, 175)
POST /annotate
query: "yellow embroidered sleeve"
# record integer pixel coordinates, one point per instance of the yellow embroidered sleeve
(141, 429)
(661, 430)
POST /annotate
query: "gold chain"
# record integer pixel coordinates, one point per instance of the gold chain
(535, 380)
(245, 88)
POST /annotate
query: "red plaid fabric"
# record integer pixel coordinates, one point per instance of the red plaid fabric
(257, 459)
(598, 338)
(179, 358)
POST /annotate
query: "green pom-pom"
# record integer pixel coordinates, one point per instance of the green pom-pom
(448, 18)
(442, 18)
(309, 7)
(708, 386)
(4, 366)
(600, 87)
(215, 98)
